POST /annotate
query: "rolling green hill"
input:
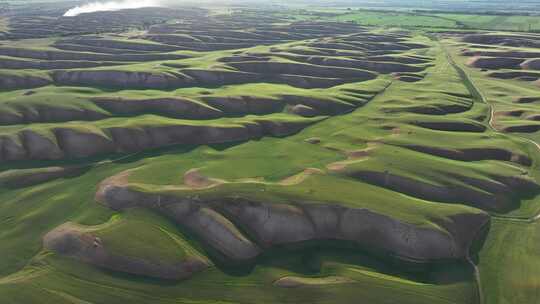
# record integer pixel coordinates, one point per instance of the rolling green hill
(252, 157)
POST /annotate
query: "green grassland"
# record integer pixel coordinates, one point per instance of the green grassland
(510, 23)
(423, 143)
(395, 19)
(400, 18)
(515, 283)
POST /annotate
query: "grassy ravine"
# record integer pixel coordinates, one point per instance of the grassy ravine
(393, 124)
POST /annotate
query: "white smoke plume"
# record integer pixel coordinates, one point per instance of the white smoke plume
(111, 6)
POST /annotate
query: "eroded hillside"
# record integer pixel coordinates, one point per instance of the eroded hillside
(245, 158)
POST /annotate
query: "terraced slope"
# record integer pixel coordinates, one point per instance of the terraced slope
(240, 159)
(130, 107)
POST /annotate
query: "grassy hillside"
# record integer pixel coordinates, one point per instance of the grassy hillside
(246, 158)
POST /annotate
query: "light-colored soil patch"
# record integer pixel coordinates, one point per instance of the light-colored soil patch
(353, 157)
(194, 179)
(300, 177)
(362, 153)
